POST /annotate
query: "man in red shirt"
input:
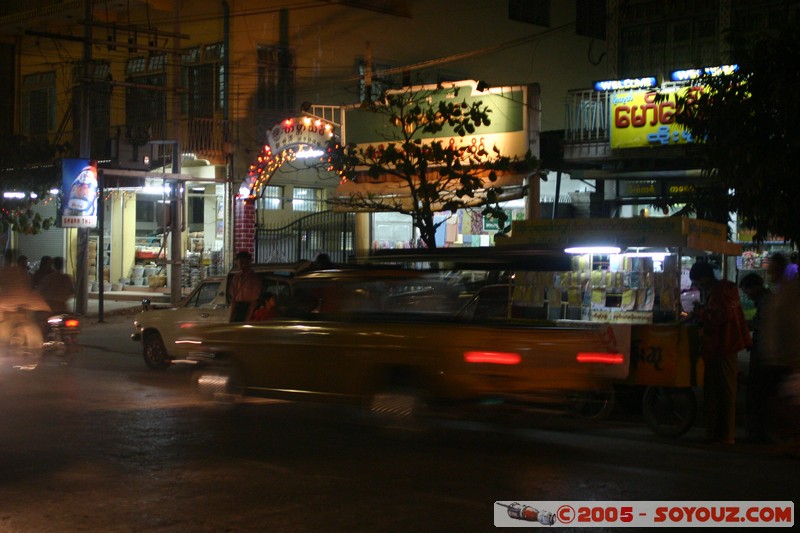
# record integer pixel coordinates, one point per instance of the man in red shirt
(245, 289)
(724, 333)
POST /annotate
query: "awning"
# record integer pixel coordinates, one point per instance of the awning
(639, 232)
(359, 196)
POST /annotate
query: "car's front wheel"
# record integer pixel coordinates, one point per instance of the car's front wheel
(154, 351)
(222, 385)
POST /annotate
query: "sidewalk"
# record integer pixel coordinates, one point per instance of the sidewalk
(120, 303)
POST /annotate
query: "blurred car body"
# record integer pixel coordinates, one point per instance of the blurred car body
(209, 302)
(394, 340)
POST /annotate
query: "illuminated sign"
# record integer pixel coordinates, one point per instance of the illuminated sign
(646, 188)
(507, 131)
(690, 74)
(630, 83)
(79, 193)
(638, 121)
(297, 133)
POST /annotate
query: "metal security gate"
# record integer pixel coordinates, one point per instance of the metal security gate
(325, 232)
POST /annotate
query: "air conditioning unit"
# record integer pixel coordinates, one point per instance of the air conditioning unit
(129, 156)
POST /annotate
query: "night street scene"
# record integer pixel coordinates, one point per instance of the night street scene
(393, 265)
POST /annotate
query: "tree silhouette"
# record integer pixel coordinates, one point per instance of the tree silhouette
(415, 172)
(31, 169)
(748, 140)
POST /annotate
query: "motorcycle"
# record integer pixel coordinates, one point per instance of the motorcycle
(61, 337)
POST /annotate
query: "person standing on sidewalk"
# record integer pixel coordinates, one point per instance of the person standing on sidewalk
(245, 289)
(759, 386)
(724, 334)
(57, 287)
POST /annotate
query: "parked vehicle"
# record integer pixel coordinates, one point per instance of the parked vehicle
(392, 342)
(158, 328)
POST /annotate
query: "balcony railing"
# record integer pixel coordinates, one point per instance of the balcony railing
(587, 135)
(17, 10)
(587, 116)
(208, 138)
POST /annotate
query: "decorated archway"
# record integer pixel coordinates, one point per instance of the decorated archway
(287, 141)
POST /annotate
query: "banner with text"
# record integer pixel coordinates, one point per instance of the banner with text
(78, 193)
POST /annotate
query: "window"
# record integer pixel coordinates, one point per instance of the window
(276, 78)
(205, 295)
(39, 103)
(381, 82)
(590, 18)
(196, 208)
(146, 103)
(145, 211)
(203, 75)
(306, 199)
(7, 86)
(100, 103)
(530, 11)
(662, 36)
(271, 198)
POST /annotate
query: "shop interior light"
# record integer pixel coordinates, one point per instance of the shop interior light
(658, 254)
(154, 189)
(592, 250)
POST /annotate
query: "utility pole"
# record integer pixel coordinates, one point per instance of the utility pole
(177, 193)
(82, 259)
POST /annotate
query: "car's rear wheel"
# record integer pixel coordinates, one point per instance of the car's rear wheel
(154, 351)
(399, 407)
(595, 404)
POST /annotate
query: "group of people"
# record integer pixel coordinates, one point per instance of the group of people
(48, 289)
(249, 299)
(774, 347)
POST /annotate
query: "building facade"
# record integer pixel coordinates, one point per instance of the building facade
(124, 83)
(129, 83)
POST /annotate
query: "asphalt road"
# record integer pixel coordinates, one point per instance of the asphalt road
(107, 445)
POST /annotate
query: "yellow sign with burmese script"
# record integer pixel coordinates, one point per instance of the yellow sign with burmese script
(637, 120)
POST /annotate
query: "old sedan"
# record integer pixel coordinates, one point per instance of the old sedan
(394, 344)
(158, 328)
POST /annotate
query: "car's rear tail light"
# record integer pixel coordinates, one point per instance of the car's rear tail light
(495, 358)
(72, 323)
(600, 357)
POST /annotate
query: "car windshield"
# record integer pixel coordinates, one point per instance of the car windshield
(205, 294)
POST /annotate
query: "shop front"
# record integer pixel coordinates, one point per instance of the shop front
(633, 274)
(134, 248)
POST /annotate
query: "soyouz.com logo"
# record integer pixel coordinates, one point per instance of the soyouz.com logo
(644, 514)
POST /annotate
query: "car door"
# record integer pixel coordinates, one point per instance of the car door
(205, 305)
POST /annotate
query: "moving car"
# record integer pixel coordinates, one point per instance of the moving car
(209, 302)
(394, 342)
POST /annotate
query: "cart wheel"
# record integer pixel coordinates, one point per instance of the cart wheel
(669, 411)
(593, 404)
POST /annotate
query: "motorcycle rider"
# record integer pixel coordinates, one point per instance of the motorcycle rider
(18, 303)
(16, 290)
(57, 287)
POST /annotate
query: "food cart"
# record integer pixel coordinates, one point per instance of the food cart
(632, 274)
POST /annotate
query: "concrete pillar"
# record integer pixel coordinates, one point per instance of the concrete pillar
(363, 235)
